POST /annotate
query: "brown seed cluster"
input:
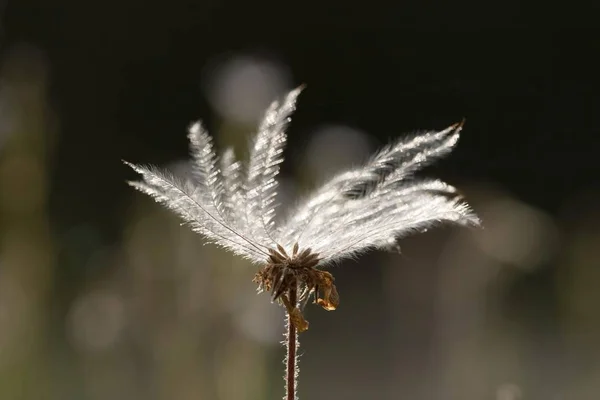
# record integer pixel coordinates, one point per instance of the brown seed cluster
(284, 274)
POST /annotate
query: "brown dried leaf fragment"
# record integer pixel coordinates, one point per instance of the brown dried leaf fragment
(296, 316)
(331, 298)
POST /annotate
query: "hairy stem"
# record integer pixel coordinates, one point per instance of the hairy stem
(291, 360)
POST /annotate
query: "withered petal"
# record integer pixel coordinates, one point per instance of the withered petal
(331, 298)
(297, 319)
(326, 305)
(334, 297)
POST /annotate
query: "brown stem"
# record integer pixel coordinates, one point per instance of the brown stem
(291, 346)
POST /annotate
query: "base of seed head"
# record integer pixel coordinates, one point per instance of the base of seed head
(297, 272)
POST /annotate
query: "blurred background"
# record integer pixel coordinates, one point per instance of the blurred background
(103, 295)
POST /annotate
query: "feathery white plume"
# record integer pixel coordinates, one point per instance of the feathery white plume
(233, 205)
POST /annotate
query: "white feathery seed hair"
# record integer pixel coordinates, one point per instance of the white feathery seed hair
(233, 204)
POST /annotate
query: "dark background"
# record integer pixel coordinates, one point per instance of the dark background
(106, 81)
(121, 72)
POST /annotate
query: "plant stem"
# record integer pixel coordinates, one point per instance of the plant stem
(291, 346)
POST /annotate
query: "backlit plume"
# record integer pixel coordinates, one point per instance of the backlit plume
(233, 205)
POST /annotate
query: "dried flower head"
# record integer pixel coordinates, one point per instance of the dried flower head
(233, 205)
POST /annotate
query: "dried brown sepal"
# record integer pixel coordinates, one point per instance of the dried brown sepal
(310, 258)
(304, 253)
(276, 257)
(282, 251)
(312, 263)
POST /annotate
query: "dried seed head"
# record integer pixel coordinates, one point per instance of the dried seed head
(283, 274)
